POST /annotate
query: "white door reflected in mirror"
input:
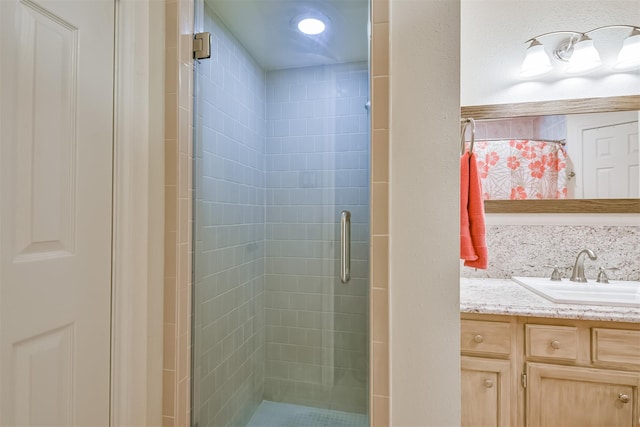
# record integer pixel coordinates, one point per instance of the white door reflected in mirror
(610, 162)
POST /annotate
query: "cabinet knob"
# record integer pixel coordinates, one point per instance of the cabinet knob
(624, 398)
(555, 344)
(489, 384)
(478, 338)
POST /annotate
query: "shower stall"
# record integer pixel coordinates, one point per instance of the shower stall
(280, 332)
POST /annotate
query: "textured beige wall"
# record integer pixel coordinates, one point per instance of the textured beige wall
(423, 212)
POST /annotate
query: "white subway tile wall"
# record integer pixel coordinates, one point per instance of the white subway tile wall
(317, 162)
(229, 247)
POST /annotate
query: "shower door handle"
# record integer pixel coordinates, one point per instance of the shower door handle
(345, 246)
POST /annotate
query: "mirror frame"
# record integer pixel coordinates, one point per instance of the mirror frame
(548, 108)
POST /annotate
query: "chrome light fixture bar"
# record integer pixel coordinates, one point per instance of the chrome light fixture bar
(580, 53)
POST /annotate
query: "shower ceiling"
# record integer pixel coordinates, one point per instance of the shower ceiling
(268, 30)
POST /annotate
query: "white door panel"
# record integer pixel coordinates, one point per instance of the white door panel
(610, 161)
(56, 142)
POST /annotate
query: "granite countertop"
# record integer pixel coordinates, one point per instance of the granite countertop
(503, 296)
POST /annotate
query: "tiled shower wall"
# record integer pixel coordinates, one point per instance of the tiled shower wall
(317, 165)
(178, 131)
(517, 250)
(229, 247)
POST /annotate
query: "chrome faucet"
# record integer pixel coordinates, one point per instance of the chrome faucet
(578, 268)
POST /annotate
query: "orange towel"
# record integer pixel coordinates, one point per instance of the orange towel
(473, 245)
(467, 252)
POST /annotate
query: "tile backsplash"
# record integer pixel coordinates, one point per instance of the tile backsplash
(524, 250)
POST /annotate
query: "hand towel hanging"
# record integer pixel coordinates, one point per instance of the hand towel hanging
(473, 246)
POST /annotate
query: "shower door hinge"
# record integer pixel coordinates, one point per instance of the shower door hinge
(524, 380)
(202, 45)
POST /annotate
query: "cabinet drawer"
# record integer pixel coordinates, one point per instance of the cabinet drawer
(553, 342)
(478, 336)
(616, 346)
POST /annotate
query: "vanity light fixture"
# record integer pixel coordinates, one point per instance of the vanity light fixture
(629, 56)
(580, 53)
(585, 57)
(536, 62)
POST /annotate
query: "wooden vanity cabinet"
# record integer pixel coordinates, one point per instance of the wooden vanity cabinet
(559, 373)
(488, 371)
(486, 397)
(581, 373)
(572, 396)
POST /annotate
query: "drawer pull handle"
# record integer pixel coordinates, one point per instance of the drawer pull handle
(624, 398)
(478, 338)
(555, 344)
(489, 384)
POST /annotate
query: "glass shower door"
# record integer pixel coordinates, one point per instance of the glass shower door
(279, 154)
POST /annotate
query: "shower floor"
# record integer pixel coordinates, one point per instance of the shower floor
(275, 414)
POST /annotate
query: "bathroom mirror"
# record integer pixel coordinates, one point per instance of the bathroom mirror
(627, 106)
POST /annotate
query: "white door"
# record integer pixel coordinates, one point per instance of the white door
(56, 140)
(610, 161)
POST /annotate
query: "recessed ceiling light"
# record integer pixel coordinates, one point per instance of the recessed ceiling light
(311, 26)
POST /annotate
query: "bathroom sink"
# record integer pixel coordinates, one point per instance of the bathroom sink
(615, 293)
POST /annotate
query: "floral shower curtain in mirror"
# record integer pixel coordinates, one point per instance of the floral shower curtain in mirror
(518, 169)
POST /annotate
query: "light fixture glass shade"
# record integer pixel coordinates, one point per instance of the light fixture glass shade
(585, 57)
(536, 61)
(629, 56)
(311, 26)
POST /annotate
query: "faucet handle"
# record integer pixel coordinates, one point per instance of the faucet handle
(555, 276)
(602, 275)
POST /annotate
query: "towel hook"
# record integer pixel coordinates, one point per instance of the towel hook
(473, 134)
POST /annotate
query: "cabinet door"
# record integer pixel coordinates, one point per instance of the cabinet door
(581, 397)
(486, 391)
